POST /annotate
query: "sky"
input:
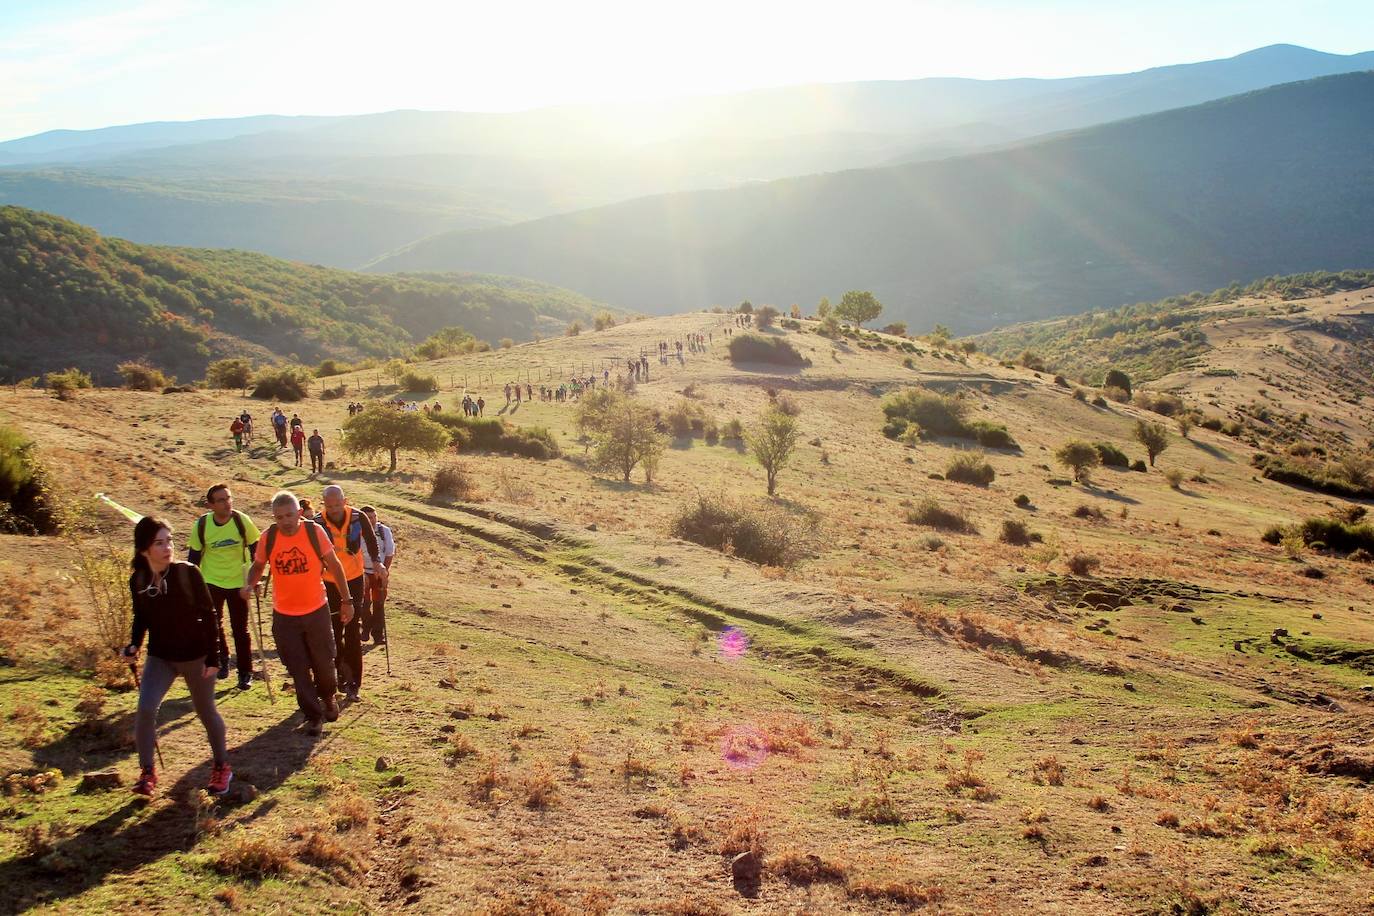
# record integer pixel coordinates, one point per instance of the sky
(81, 64)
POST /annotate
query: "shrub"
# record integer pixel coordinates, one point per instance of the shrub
(65, 384)
(1175, 478)
(603, 320)
(333, 394)
(761, 534)
(414, 381)
(1111, 456)
(1342, 537)
(940, 415)
(765, 316)
(932, 515)
(1083, 510)
(1166, 405)
(330, 367)
(970, 468)
(1022, 501)
(1138, 465)
(1325, 477)
(139, 376)
(229, 373)
(751, 348)
(1015, 533)
(493, 434)
(991, 435)
(1116, 379)
(453, 481)
(24, 507)
(506, 343)
(733, 429)
(1120, 395)
(1154, 437)
(283, 383)
(1083, 564)
(573, 329)
(1080, 457)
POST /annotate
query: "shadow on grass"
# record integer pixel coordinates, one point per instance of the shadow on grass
(1112, 495)
(1218, 453)
(123, 841)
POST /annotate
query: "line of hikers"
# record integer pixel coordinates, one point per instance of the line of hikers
(241, 428)
(329, 578)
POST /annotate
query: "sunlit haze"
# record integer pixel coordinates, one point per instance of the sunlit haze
(81, 64)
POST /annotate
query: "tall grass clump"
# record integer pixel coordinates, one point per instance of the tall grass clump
(931, 514)
(970, 468)
(24, 495)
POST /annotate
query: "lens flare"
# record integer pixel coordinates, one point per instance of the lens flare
(734, 642)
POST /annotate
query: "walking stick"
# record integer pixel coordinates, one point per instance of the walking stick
(262, 653)
(157, 745)
(386, 645)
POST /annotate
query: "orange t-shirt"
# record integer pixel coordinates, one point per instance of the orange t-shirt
(297, 573)
(352, 562)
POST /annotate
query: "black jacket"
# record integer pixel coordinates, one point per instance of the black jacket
(180, 623)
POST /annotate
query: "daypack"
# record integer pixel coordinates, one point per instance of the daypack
(311, 535)
(354, 541)
(238, 523)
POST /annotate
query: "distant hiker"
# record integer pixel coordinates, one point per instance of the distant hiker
(171, 605)
(298, 443)
(481, 406)
(300, 555)
(236, 430)
(438, 408)
(507, 390)
(316, 443)
(350, 533)
(374, 595)
(247, 419)
(221, 546)
(307, 510)
(279, 425)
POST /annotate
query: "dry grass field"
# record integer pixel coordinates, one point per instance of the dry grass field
(587, 715)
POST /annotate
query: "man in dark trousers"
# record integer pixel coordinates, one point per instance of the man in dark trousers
(350, 533)
(221, 544)
(316, 444)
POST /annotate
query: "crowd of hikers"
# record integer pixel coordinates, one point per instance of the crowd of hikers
(328, 575)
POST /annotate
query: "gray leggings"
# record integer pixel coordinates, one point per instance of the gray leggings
(158, 675)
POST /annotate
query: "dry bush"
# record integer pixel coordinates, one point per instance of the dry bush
(30, 724)
(1099, 803)
(1016, 533)
(1167, 819)
(489, 783)
(460, 747)
(1048, 771)
(762, 534)
(453, 481)
(633, 767)
(254, 858)
(932, 515)
(348, 810)
(1083, 510)
(1175, 477)
(1082, 564)
(798, 867)
(970, 468)
(539, 786)
(744, 833)
(905, 893)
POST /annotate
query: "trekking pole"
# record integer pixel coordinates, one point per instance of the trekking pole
(157, 745)
(262, 652)
(386, 645)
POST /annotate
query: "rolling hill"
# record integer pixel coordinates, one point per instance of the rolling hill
(69, 296)
(346, 190)
(1274, 181)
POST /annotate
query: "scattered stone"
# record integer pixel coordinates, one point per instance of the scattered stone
(1279, 633)
(1129, 686)
(592, 527)
(1096, 861)
(1076, 740)
(447, 684)
(1316, 616)
(383, 764)
(507, 606)
(240, 793)
(397, 781)
(103, 781)
(1367, 688)
(745, 868)
(1198, 621)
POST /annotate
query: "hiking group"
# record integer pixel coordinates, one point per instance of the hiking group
(328, 574)
(287, 431)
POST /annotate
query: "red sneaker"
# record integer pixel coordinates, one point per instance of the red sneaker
(220, 777)
(147, 783)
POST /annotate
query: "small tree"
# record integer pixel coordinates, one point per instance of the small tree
(766, 316)
(772, 442)
(626, 437)
(1118, 379)
(1153, 436)
(573, 329)
(796, 311)
(139, 376)
(379, 429)
(229, 373)
(746, 308)
(507, 343)
(1186, 422)
(823, 308)
(858, 306)
(603, 320)
(65, 384)
(1080, 457)
(896, 329)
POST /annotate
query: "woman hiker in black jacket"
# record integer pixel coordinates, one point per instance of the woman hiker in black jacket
(173, 606)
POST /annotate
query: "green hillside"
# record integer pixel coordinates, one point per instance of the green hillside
(70, 296)
(1274, 181)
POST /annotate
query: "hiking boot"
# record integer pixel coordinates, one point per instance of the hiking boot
(147, 783)
(352, 693)
(245, 680)
(331, 709)
(220, 777)
(223, 672)
(313, 728)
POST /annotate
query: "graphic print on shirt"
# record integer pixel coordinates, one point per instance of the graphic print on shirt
(290, 562)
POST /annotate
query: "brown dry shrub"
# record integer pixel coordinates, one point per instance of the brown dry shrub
(460, 747)
(539, 786)
(322, 851)
(1048, 771)
(744, 833)
(799, 867)
(348, 810)
(905, 893)
(254, 858)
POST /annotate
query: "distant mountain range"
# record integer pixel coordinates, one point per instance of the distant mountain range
(1276, 181)
(71, 297)
(346, 191)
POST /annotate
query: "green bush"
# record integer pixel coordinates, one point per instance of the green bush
(991, 435)
(1342, 537)
(732, 430)
(1111, 456)
(1022, 501)
(65, 384)
(493, 434)
(932, 515)
(685, 419)
(752, 348)
(139, 376)
(415, 381)
(24, 507)
(283, 383)
(229, 373)
(940, 415)
(1325, 477)
(970, 468)
(761, 534)
(329, 367)
(1139, 465)
(1016, 533)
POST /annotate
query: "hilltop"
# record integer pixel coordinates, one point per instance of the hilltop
(589, 714)
(1276, 180)
(72, 297)
(285, 186)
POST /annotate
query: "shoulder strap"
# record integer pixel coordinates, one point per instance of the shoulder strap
(270, 536)
(314, 537)
(183, 583)
(243, 534)
(200, 533)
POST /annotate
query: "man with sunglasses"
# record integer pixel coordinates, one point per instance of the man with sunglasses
(221, 544)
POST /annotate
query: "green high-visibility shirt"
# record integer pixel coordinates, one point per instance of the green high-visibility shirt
(224, 558)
